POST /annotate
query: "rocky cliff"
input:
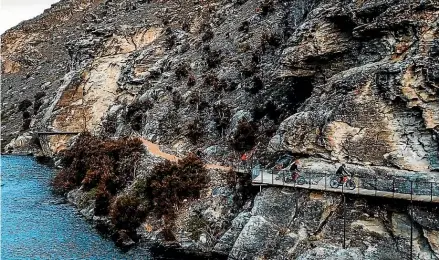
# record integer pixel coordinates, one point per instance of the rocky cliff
(330, 81)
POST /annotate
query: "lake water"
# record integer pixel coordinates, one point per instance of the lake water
(35, 224)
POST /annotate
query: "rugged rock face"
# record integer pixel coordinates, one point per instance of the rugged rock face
(288, 224)
(353, 82)
(377, 102)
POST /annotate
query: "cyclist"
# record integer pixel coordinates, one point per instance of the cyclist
(244, 159)
(294, 168)
(342, 173)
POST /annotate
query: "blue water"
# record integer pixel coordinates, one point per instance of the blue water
(35, 225)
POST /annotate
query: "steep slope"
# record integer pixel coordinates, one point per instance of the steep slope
(352, 82)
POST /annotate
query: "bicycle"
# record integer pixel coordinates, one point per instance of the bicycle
(287, 178)
(347, 181)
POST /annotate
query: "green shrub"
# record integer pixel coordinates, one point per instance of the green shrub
(245, 136)
(127, 212)
(182, 70)
(196, 225)
(24, 104)
(26, 124)
(109, 125)
(244, 27)
(213, 58)
(26, 115)
(270, 39)
(38, 101)
(267, 6)
(195, 131)
(210, 80)
(221, 116)
(258, 84)
(207, 36)
(191, 81)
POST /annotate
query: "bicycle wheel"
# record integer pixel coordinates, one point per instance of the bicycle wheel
(350, 184)
(334, 183)
(300, 180)
(288, 179)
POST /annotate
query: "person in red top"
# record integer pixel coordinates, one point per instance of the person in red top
(244, 159)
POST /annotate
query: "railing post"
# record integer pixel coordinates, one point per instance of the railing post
(393, 187)
(431, 191)
(325, 179)
(344, 220)
(411, 190)
(262, 176)
(309, 180)
(283, 179)
(358, 185)
(375, 186)
(295, 183)
(272, 177)
(411, 219)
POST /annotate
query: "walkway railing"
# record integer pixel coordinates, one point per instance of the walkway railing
(387, 187)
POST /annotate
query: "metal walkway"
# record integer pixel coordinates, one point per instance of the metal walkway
(393, 188)
(57, 133)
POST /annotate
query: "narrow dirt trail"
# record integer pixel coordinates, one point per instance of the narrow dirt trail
(155, 149)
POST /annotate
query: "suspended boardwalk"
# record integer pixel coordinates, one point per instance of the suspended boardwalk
(393, 188)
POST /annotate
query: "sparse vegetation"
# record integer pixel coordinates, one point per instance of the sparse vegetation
(231, 178)
(270, 39)
(102, 202)
(109, 125)
(257, 85)
(213, 58)
(266, 7)
(210, 80)
(222, 85)
(170, 41)
(26, 115)
(177, 99)
(182, 70)
(186, 27)
(191, 81)
(38, 101)
(241, 184)
(26, 124)
(195, 130)
(249, 70)
(244, 27)
(221, 116)
(207, 36)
